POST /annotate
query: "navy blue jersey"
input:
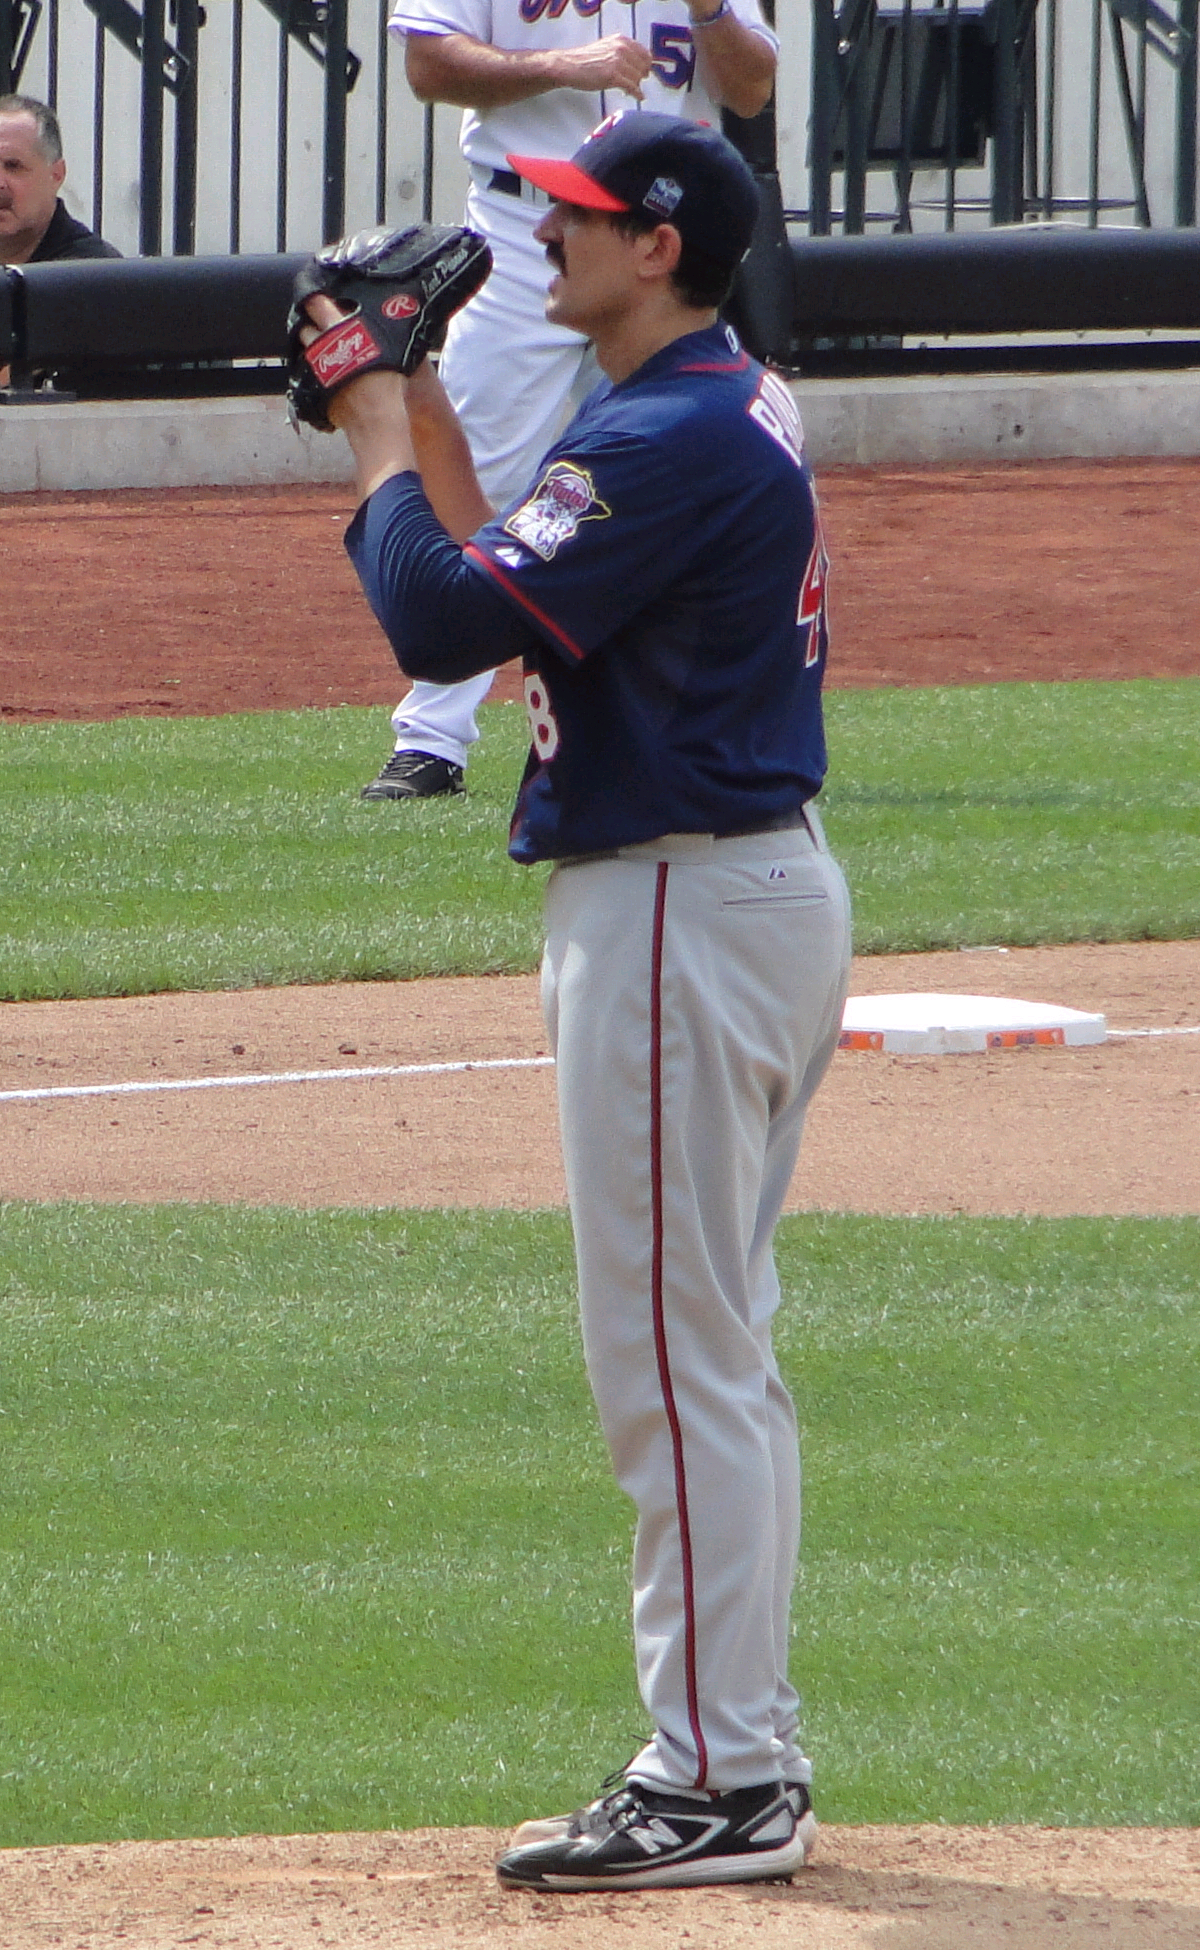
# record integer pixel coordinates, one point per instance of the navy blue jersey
(670, 566)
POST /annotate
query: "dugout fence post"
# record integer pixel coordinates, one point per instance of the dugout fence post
(762, 302)
(822, 117)
(1007, 148)
(187, 92)
(153, 48)
(6, 47)
(1185, 116)
(337, 27)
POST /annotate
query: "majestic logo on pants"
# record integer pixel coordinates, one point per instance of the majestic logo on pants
(565, 496)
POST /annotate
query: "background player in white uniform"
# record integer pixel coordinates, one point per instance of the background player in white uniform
(663, 579)
(535, 77)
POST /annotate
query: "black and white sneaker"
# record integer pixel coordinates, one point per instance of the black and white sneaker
(415, 775)
(640, 1837)
(547, 1828)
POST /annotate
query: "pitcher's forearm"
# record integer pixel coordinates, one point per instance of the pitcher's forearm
(443, 458)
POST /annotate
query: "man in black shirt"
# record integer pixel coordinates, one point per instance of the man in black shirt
(34, 223)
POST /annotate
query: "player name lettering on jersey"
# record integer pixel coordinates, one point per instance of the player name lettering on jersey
(565, 496)
(776, 413)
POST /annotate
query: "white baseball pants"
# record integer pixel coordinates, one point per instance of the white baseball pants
(693, 990)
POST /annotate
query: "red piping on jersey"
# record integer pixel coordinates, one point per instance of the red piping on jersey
(723, 365)
(506, 582)
(687, 1568)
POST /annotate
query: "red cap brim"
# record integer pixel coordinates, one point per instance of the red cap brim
(565, 183)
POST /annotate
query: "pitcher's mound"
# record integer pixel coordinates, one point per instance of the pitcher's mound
(923, 1888)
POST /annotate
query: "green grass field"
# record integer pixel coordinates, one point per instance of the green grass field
(287, 1543)
(154, 854)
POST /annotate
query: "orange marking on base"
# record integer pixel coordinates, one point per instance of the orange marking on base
(1024, 1038)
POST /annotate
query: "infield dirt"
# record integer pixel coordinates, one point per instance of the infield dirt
(202, 602)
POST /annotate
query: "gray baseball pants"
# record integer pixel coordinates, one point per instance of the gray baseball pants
(693, 991)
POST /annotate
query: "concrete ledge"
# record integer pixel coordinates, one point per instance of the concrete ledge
(986, 417)
(162, 444)
(970, 418)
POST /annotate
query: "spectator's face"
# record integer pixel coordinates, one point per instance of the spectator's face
(29, 186)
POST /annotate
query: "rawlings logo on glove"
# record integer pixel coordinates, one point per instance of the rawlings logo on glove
(398, 288)
(341, 352)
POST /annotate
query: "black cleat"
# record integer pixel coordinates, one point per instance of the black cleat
(641, 1837)
(415, 775)
(549, 1827)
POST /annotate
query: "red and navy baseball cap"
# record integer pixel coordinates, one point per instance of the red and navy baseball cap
(674, 171)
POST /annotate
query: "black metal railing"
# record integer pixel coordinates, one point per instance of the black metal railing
(259, 123)
(196, 93)
(1005, 110)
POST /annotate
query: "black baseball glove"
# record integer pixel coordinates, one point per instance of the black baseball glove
(402, 284)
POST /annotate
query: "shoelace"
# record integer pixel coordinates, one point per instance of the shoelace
(622, 1808)
(625, 1806)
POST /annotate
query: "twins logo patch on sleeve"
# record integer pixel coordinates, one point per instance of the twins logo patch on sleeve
(564, 497)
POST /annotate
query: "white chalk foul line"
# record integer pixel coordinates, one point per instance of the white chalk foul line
(160, 1084)
(271, 1076)
(1155, 1032)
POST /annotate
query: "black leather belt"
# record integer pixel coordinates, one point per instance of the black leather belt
(781, 823)
(506, 181)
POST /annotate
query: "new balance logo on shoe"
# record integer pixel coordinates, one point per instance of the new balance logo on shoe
(639, 1837)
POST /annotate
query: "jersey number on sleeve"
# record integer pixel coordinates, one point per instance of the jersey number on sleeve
(543, 725)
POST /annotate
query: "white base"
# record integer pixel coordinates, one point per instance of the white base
(942, 1025)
